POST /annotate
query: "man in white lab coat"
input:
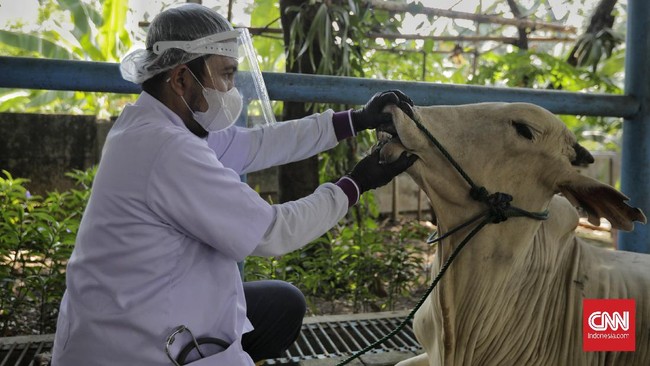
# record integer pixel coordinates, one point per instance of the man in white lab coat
(153, 279)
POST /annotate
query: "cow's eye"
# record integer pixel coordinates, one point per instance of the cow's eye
(523, 130)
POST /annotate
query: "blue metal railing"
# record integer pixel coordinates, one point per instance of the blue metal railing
(33, 73)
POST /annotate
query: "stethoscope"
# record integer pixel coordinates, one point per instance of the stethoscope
(194, 344)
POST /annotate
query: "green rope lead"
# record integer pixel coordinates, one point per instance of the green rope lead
(422, 299)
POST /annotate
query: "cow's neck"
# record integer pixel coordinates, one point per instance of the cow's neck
(504, 269)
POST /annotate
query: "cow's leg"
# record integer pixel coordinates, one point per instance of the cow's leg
(421, 360)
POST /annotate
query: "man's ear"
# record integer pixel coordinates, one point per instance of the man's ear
(177, 78)
(600, 200)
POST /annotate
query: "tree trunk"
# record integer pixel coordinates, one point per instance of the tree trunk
(298, 179)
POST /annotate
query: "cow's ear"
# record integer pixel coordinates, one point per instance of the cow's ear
(600, 200)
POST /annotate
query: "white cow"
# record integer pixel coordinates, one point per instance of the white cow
(514, 295)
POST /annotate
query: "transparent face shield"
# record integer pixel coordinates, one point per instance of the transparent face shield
(248, 78)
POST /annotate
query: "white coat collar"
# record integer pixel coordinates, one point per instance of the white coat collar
(146, 100)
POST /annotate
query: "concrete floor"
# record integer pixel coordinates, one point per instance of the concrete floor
(378, 359)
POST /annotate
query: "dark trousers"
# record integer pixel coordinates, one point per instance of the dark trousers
(276, 310)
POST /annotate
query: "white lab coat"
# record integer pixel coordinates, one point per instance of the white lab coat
(167, 221)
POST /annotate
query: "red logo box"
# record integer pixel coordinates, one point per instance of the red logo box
(608, 325)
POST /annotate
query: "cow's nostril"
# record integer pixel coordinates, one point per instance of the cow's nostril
(388, 128)
(383, 135)
(390, 150)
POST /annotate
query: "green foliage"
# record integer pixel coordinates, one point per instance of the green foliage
(321, 32)
(269, 48)
(532, 69)
(592, 48)
(98, 33)
(359, 264)
(36, 239)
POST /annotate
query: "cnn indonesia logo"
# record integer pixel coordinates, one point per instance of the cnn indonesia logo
(608, 325)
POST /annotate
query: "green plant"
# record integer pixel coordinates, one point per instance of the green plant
(403, 261)
(265, 14)
(36, 239)
(538, 70)
(360, 264)
(592, 48)
(326, 42)
(73, 30)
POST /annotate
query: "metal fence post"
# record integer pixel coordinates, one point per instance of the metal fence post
(635, 160)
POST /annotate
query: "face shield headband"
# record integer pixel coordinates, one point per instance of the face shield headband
(224, 44)
(248, 79)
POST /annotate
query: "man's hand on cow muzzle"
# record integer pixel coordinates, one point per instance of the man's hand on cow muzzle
(372, 114)
(371, 173)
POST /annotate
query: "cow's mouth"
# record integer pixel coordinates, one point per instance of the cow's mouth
(389, 141)
(390, 144)
(385, 135)
(391, 148)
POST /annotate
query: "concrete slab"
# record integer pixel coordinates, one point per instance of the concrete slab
(386, 359)
(374, 359)
(329, 362)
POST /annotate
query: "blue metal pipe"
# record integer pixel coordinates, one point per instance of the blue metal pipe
(331, 89)
(50, 74)
(635, 160)
(32, 73)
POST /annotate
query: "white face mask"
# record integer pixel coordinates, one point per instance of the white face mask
(223, 108)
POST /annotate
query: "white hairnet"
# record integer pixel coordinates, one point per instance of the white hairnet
(187, 22)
